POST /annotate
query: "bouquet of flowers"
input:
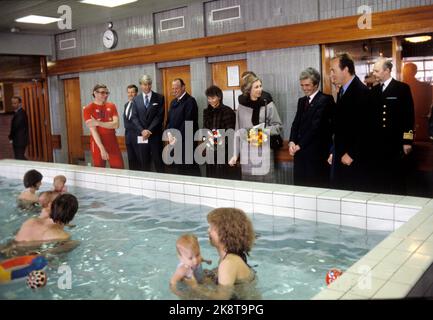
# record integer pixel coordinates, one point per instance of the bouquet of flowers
(256, 136)
(214, 139)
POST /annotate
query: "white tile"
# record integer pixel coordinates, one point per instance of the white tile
(148, 184)
(208, 202)
(426, 249)
(421, 233)
(419, 261)
(149, 193)
(222, 203)
(245, 206)
(99, 178)
(380, 211)
(326, 205)
(404, 214)
(367, 286)
(376, 254)
(176, 197)
(390, 242)
(326, 217)
(176, 188)
(386, 199)
(162, 186)
(310, 215)
(136, 192)
(413, 202)
(408, 275)
(192, 199)
(351, 296)
(262, 198)
(328, 294)
(397, 257)
(80, 176)
(192, 189)
(135, 183)
(284, 212)
(208, 192)
(409, 245)
(243, 196)
(122, 181)
(162, 195)
(393, 290)
(353, 221)
(283, 200)
(354, 208)
(227, 194)
(380, 225)
(385, 270)
(362, 197)
(398, 224)
(363, 266)
(345, 282)
(110, 179)
(263, 209)
(307, 203)
(122, 189)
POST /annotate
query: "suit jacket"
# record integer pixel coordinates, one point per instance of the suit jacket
(351, 124)
(185, 109)
(131, 131)
(19, 133)
(151, 118)
(311, 128)
(393, 117)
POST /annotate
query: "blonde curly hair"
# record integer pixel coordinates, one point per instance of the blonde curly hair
(235, 230)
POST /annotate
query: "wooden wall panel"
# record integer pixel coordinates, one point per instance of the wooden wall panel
(385, 24)
(219, 73)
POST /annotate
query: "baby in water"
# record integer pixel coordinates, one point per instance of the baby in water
(189, 269)
(59, 184)
(46, 198)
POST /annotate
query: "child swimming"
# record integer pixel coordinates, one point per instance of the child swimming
(32, 181)
(59, 184)
(46, 198)
(189, 269)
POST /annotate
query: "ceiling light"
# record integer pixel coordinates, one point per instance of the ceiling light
(37, 19)
(108, 3)
(418, 39)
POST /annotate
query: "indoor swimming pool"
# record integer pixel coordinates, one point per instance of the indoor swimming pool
(127, 248)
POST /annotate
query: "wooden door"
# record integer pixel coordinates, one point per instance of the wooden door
(168, 75)
(35, 102)
(219, 73)
(73, 120)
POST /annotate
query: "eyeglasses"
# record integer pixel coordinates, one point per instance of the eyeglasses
(103, 92)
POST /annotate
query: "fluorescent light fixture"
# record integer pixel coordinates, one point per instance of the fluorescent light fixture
(108, 3)
(418, 39)
(37, 19)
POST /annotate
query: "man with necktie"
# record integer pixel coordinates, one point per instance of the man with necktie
(148, 117)
(393, 130)
(311, 133)
(130, 130)
(350, 126)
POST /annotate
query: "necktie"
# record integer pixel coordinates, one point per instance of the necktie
(340, 94)
(127, 112)
(382, 87)
(146, 101)
(307, 103)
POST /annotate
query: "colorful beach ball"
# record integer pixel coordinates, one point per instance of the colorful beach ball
(37, 279)
(332, 275)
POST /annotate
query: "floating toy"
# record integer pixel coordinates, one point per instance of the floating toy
(37, 279)
(332, 275)
(20, 267)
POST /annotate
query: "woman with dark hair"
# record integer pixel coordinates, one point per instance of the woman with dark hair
(28, 199)
(218, 119)
(256, 120)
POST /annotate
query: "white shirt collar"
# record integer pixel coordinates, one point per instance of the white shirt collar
(312, 96)
(180, 98)
(149, 95)
(386, 83)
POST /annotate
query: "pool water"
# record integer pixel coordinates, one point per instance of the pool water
(127, 248)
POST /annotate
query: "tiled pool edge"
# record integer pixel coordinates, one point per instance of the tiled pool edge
(390, 270)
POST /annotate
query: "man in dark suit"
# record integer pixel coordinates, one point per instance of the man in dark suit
(131, 133)
(393, 130)
(183, 109)
(19, 133)
(148, 117)
(350, 149)
(311, 133)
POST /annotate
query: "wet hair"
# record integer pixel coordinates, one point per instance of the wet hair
(188, 241)
(247, 84)
(182, 83)
(64, 208)
(133, 86)
(312, 74)
(97, 87)
(214, 91)
(32, 178)
(345, 60)
(235, 230)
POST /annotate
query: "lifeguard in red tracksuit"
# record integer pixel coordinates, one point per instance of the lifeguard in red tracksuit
(102, 119)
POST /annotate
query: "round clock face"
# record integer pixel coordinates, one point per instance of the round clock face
(109, 39)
